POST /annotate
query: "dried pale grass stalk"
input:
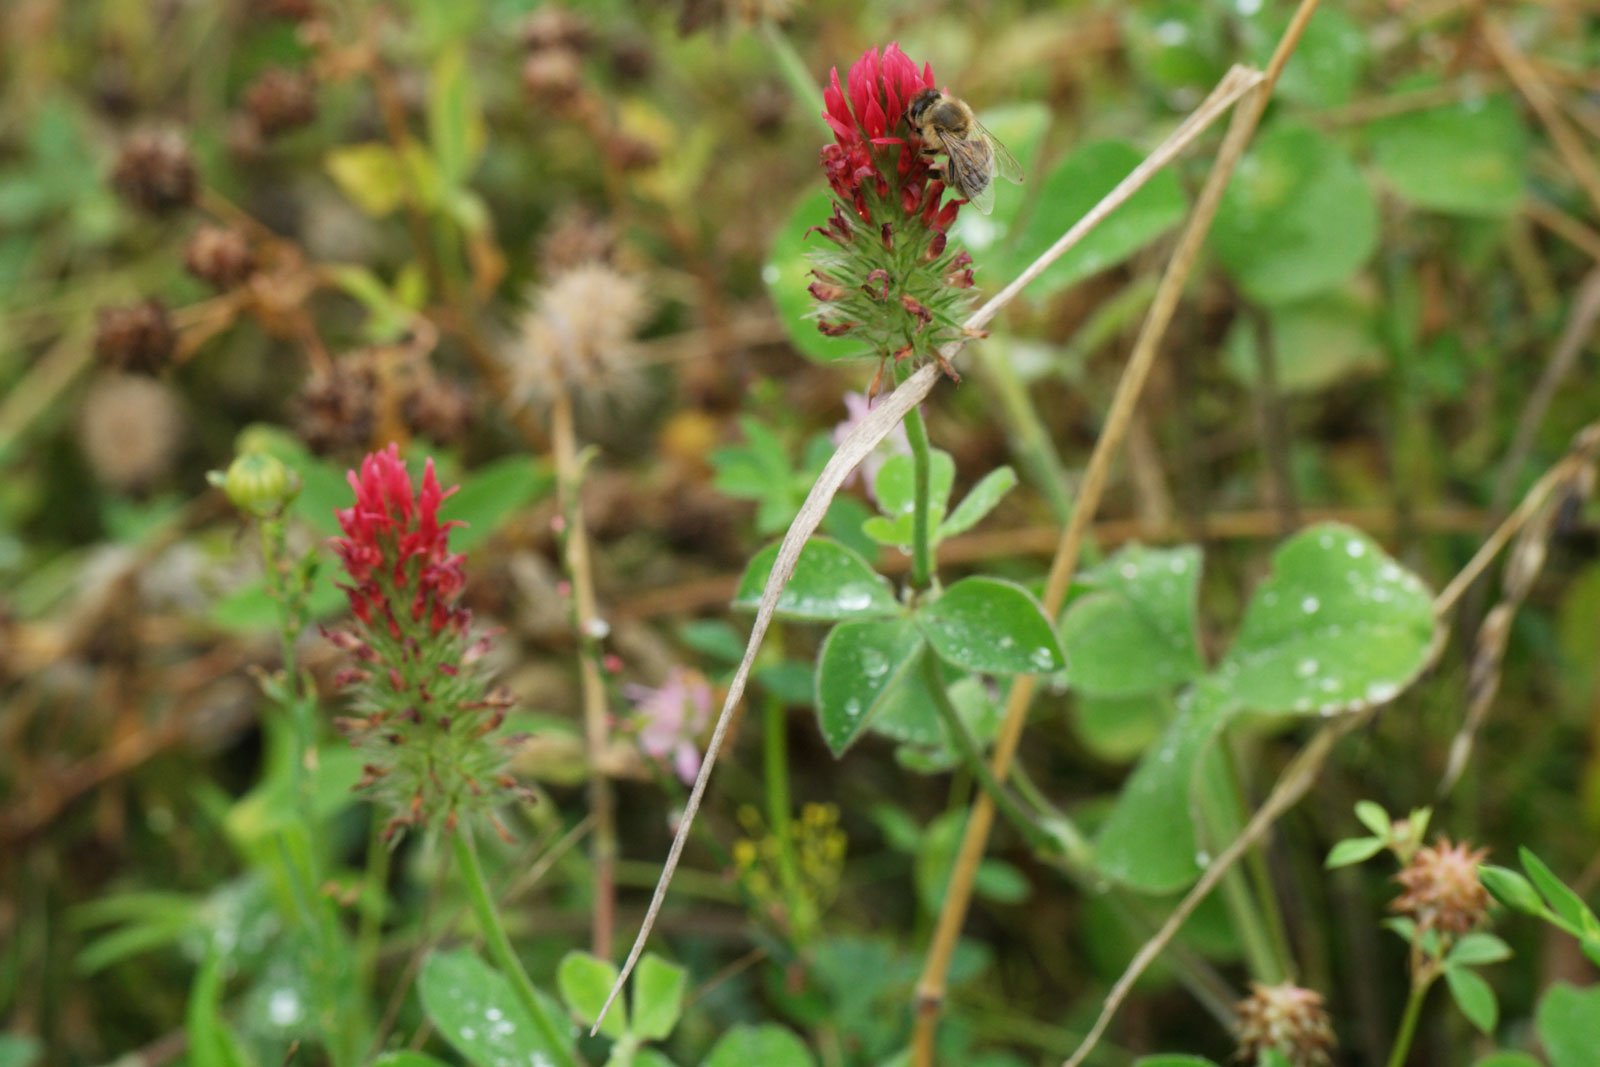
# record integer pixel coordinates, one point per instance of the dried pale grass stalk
(1569, 482)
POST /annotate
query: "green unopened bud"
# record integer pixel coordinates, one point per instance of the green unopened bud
(1511, 889)
(258, 483)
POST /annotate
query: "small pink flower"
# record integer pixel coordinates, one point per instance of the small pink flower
(671, 718)
(857, 407)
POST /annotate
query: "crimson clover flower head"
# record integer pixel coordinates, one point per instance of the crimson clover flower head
(890, 279)
(424, 714)
(396, 551)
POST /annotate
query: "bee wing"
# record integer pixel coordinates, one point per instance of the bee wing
(1005, 164)
(969, 167)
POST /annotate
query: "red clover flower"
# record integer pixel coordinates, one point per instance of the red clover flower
(426, 718)
(891, 281)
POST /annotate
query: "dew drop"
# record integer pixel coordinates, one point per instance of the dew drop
(853, 598)
(284, 1008)
(874, 664)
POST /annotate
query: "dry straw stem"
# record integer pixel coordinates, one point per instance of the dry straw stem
(1564, 226)
(1302, 772)
(1533, 524)
(975, 840)
(883, 418)
(1574, 338)
(1567, 140)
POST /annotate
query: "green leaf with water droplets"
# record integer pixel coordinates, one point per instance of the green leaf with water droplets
(474, 1008)
(895, 488)
(1298, 217)
(1469, 158)
(1134, 631)
(1338, 626)
(1073, 187)
(991, 626)
(1148, 842)
(830, 582)
(859, 664)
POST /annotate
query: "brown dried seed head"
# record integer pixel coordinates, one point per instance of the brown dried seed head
(576, 237)
(137, 337)
(632, 57)
(555, 27)
(280, 100)
(336, 408)
(220, 256)
(631, 153)
(290, 10)
(766, 109)
(1288, 1019)
(1442, 890)
(553, 76)
(155, 172)
(439, 410)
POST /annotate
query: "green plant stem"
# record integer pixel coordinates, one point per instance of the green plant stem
(499, 945)
(374, 897)
(274, 539)
(1026, 430)
(921, 546)
(775, 745)
(793, 68)
(1219, 813)
(971, 755)
(1408, 1021)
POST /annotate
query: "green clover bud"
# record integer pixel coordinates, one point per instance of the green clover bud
(257, 483)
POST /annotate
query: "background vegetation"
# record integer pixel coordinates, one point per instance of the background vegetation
(372, 222)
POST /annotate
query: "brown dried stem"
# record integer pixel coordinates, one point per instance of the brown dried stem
(585, 618)
(1542, 99)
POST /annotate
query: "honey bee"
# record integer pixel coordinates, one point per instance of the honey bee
(972, 154)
